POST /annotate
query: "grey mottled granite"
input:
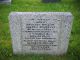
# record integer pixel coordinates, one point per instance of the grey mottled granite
(40, 32)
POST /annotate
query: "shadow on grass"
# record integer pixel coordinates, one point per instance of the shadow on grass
(77, 4)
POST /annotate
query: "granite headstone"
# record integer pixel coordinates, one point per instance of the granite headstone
(40, 32)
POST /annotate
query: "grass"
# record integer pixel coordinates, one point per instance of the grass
(36, 5)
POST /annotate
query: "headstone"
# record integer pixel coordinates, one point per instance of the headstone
(5, 1)
(40, 32)
(50, 1)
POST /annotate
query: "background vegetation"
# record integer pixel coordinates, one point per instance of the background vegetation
(37, 6)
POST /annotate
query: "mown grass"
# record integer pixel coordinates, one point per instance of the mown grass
(36, 5)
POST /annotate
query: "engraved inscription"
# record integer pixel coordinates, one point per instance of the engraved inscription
(40, 33)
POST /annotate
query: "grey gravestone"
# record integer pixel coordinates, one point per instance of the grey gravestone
(40, 32)
(5, 1)
(50, 1)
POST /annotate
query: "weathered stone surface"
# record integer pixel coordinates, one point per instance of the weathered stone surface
(40, 32)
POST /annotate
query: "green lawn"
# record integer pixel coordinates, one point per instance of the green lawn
(36, 5)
